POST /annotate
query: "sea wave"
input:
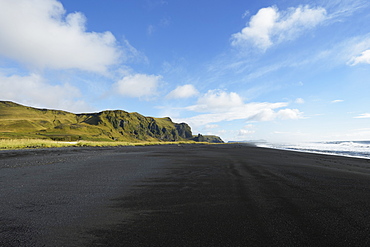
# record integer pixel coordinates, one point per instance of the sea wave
(358, 149)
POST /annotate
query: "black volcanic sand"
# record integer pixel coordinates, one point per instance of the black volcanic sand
(187, 195)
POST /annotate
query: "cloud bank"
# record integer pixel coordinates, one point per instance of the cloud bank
(299, 101)
(221, 106)
(182, 92)
(34, 90)
(271, 26)
(217, 101)
(364, 115)
(363, 58)
(138, 85)
(38, 34)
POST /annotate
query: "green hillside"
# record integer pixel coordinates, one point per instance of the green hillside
(18, 121)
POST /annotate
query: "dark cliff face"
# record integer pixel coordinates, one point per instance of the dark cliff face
(207, 138)
(184, 130)
(143, 128)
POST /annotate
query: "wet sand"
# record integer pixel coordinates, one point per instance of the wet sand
(188, 195)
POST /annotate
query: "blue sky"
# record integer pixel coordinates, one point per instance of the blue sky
(283, 71)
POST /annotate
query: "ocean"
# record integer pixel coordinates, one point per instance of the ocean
(359, 149)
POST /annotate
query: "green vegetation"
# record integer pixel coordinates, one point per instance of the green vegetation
(110, 128)
(11, 144)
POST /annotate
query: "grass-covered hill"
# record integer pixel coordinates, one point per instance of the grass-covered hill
(18, 121)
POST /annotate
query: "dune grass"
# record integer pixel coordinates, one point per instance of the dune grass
(9, 144)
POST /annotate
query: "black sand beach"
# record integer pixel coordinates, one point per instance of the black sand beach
(187, 195)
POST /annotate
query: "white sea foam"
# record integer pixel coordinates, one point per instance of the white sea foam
(360, 149)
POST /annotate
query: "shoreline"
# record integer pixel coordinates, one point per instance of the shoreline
(335, 151)
(72, 146)
(318, 152)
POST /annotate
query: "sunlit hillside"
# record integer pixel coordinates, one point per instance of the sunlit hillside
(18, 121)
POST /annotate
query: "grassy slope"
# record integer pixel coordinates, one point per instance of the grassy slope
(20, 121)
(17, 121)
(11, 144)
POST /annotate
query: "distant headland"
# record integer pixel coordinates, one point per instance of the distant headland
(19, 122)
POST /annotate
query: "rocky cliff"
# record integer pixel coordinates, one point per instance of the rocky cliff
(207, 138)
(18, 121)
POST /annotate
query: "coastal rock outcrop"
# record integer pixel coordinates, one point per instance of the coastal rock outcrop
(208, 138)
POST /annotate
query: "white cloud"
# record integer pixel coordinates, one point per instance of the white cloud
(218, 101)
(244, 132)
(264, 113)
(289, 114)
(269, 26)
(222, 106)
(336, 101)
(299, 101)
(363, 58)
(39, 34)
(185, 91)
(130, 53)
(342, 9)
(33, 90)
(259, 29)
(138, 85)
(364, 115)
